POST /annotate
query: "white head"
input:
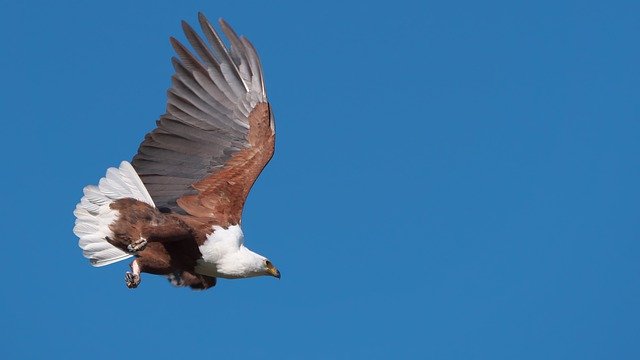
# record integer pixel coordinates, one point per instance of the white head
(224, 255)
(246, 263)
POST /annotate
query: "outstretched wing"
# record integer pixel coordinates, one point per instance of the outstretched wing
(217, 133)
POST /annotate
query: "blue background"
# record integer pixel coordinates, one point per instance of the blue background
(451, 181)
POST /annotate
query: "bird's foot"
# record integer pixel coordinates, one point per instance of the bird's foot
(132, 280)
(137, 245)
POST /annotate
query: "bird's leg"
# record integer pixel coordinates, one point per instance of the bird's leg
(132, 278)
(137, 245)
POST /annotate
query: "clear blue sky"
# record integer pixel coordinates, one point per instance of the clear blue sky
(451, 181)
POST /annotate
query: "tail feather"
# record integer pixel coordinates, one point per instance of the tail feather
(93, 214)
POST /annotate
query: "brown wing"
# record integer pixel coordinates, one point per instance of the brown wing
(222, 194)
(217, 133)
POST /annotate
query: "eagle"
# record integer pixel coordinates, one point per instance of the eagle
(176, 208)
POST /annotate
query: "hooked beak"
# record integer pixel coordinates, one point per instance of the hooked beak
(274, 272)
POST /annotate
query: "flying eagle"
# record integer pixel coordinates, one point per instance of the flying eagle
(177, 207)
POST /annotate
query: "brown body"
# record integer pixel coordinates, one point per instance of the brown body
(172, 240)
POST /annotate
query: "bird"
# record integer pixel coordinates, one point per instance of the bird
(176, 208)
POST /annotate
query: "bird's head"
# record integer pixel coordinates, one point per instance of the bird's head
(271, 270)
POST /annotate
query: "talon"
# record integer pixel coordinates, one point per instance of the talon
(132, 280)
(137, 245)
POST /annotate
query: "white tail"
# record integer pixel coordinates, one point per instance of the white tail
(93, 214)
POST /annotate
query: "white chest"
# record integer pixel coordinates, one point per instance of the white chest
(219, 246)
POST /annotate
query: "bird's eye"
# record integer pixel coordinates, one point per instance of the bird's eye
(268, 264)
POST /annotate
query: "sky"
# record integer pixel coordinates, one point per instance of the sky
(452, 180)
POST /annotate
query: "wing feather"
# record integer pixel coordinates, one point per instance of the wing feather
(218, 45)
(212, 132)
(188, 60)
(199, 46)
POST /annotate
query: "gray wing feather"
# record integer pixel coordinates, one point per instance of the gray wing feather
(238, 51)
(218, 45)
(199, 46)
(188, 60)
(206, 120)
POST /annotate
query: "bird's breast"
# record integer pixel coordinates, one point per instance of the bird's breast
(219, 246)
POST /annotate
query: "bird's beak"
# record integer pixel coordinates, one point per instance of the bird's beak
(274, 272)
